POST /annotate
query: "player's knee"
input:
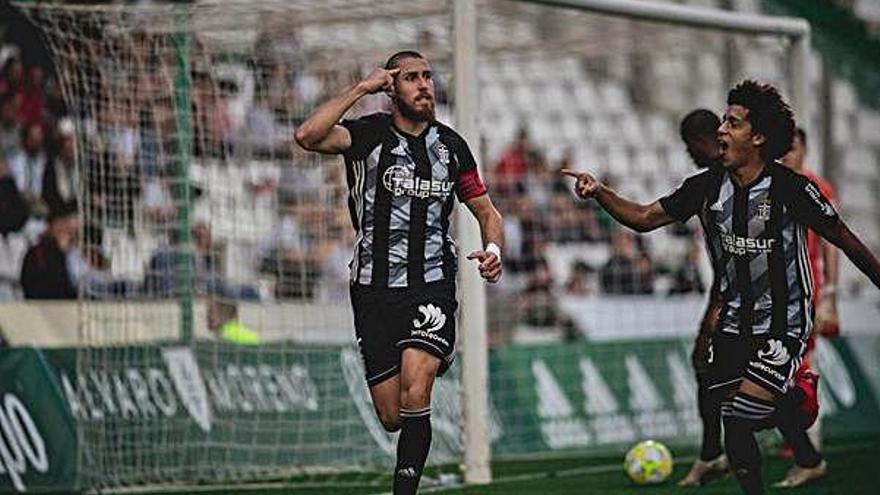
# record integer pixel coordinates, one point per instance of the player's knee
(389, 417)
(415, 394)
(391, 422)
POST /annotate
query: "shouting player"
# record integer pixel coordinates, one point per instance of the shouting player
(404, 170)
(755, 213)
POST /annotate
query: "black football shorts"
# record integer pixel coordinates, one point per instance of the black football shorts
(767, 360)
(389, 320)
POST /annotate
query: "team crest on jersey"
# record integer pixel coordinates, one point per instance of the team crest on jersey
(443, 153)
(764, 207)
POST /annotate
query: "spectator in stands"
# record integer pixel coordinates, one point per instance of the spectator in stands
(55, 106)
(10, 128)
(118, 162)
(32, 105)
(538, 181)
(12, 76)
(264, 135)
(158, 199)
(533, 233)
(538, 301)
(157, 139)
(13, 209)
(628, 271)
(162, 279)
(687, 277)
(28, 164)
(290, 255)
(224, 323)
(512, 167)
(61, 178)
(44, 272)
(211, 123)
(580, 280)
(573, 222)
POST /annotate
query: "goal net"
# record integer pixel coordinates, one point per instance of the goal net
(198, 209)
(591, 330)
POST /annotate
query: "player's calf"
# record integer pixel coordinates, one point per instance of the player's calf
(386, 400)
(743, 415)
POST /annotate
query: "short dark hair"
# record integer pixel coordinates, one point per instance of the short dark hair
(699, 123)
(62, 210)
(394, 61)
(769, 115)
(802, 134)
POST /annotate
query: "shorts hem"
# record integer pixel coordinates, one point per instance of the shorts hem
(445, 359)
(385, 375)
(764, 382)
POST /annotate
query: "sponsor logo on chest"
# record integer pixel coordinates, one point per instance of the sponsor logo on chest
(401, 181)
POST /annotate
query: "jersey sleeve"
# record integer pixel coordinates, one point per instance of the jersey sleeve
(809, 206)
(686, 200)
(366, 134)
(469, 184)
(827, 190)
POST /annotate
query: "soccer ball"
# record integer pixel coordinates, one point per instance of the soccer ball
(648, 463)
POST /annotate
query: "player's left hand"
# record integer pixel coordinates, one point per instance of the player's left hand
(827, 323)
(490, 265)
(586, 186)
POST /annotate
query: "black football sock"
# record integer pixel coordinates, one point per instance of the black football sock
(743, 416)
(790, 421)
(710, 415)
(412, 449)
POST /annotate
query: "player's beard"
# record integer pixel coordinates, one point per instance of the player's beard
(425, 114)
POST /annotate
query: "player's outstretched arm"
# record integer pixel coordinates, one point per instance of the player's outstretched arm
(841, 236)
(492, 233)
(321, 131)
(639, 217)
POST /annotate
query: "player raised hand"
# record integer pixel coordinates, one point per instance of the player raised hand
(490, 264)
(379, 80)
(585, 186)
(827, 322)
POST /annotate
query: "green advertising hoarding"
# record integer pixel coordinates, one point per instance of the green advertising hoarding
(37, 433)
(212, 412)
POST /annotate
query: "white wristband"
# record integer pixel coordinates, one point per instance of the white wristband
(494, 249)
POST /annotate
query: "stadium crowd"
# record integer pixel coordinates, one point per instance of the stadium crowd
(61, 192)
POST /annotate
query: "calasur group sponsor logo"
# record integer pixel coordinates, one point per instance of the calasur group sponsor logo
(735, 244)
(401, 181)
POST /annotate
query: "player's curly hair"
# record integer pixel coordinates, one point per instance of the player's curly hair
(769, 115)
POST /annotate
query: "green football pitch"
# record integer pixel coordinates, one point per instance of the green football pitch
(854, 469)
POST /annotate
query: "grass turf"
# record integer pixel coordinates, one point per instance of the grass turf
(853, 469)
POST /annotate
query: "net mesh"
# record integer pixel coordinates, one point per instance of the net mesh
(201, 208)
(592, 326)
(197, 205)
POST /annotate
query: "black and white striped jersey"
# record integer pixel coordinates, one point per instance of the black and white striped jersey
(402, 190)
(756, 238)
